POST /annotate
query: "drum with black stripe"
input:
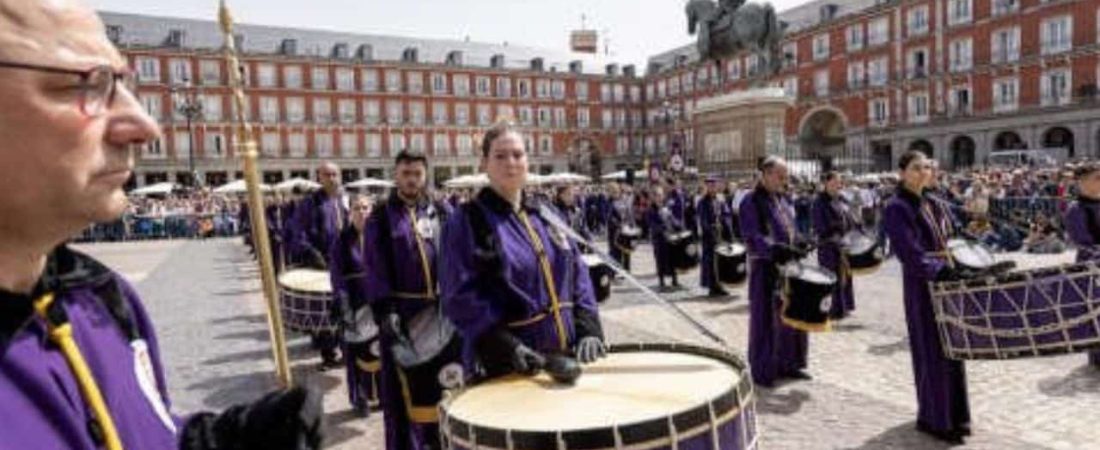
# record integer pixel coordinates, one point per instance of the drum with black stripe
(642, 396)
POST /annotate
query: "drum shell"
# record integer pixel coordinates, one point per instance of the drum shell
(806, 303)
(1025, 314)
(306, 311)
(683, 250)
(735, 428)
(428, 376)
(627, 237)
(863, 258)
(601, 275)
(730, 264)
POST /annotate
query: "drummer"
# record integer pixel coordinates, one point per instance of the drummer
(776, 350)
(349, 289)
(621, 214)
(401, 275)
(711, 223)
(565, 200)
(1083, 221)
(919, 238)
(832, 220)
(318, 220)
(515, 287)
(662, 221)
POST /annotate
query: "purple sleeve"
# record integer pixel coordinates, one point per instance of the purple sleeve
(146, 331)
(460, 286)
(901, 228)
(338, 266)
(752, 229)
(1077, 227)
(377, 269)
(298, 228)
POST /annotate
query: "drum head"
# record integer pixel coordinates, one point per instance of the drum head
(306, 280)
(630, 231)
(624, 388)
(858, 243)
(970, 254)
(730, 249)
(808, 273)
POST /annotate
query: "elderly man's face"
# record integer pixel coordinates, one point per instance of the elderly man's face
(67, 167)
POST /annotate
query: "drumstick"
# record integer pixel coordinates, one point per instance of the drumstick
(552, 218)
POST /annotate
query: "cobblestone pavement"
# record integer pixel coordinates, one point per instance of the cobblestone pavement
(204, 298)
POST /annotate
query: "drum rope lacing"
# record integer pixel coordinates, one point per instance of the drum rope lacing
(1043, 329)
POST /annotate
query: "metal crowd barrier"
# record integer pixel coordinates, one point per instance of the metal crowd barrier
(134, 227)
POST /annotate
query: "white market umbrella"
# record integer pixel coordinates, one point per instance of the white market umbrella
(566, 178)
(301, 183)
(370, 183)
(480, 179)
(156, 189)
(620, 175)
(238, 187)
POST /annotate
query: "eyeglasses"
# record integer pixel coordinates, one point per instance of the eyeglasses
(98, 85)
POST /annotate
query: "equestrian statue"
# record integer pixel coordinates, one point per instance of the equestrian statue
(732, 26)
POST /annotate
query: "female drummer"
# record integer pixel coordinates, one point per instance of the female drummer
(1083, 221)
(920, 241)
(832, 220)
(513, 284)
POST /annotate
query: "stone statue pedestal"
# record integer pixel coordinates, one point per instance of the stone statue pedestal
(733, 132)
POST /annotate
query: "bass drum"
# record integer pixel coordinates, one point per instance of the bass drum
(627, 237)
(430, 358)
(729, 263)
(684, 250)
(640, 397)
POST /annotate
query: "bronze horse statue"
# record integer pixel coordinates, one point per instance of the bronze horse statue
(730, 27)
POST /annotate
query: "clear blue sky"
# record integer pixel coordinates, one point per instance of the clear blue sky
(636, 28)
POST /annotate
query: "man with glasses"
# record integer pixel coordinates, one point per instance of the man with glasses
(79, 362)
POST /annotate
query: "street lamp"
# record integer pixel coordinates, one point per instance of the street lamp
(188, 104)
(670, 114)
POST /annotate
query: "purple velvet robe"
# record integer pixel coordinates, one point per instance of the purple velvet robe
(775, 349)
(919, 239)
(831, 221)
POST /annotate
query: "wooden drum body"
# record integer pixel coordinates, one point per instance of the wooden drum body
(1048, 311)
(642, 396)
(305, 298)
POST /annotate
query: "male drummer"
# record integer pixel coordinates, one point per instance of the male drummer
(1083, 221)
(402, 278)
(622, 214)
(832, 220)
(318, 220)
(80, 367)
(919, 238)
(349, 289)
(776, 350)
(565, 200)
(711, 223)
(662, 221)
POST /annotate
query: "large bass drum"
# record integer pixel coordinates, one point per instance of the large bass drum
(642, 396)
(305, 298)
(1048, 311)
(430, 358)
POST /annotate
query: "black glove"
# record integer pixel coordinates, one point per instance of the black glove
(282, 420)
(317, 260)
(804, 248)
(501, 353)
(783, 254)
(589, 349)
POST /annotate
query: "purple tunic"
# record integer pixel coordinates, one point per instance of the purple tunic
(349, 287)
(318, 220)
(509, 289)
(775, 349)
(40, 400)
(395, 271)
(711, 224)
(1083, 228)
(662, 221)
(919, 240)
(831, 221)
